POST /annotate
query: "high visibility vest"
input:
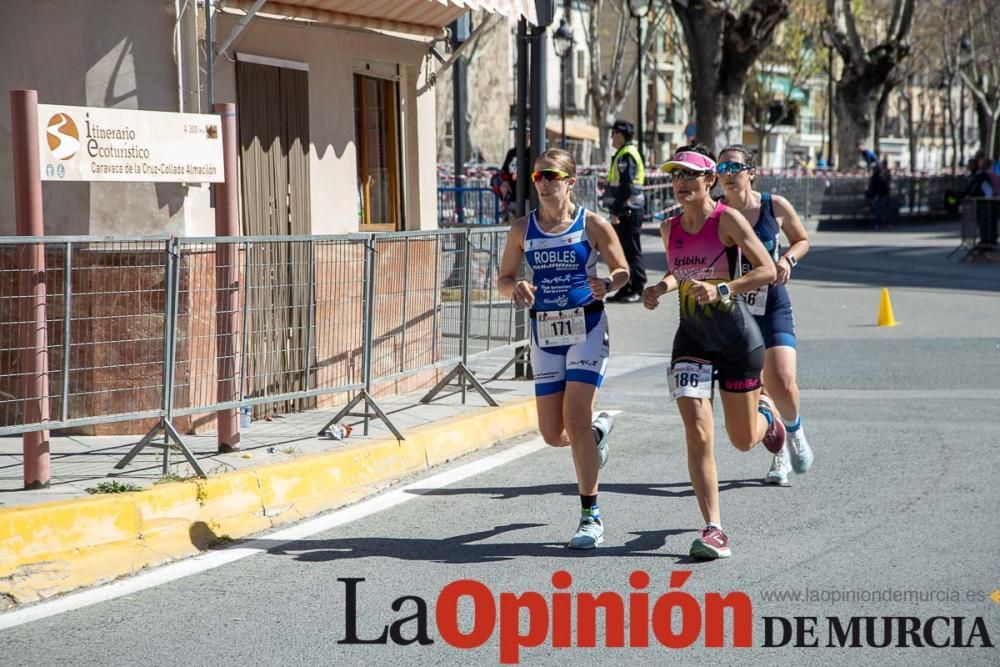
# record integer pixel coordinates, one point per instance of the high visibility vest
(630, 150)
(637, 199)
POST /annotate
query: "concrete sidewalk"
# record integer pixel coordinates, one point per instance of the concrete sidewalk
(61, 538)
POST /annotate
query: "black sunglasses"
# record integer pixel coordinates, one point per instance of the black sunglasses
(687, 174)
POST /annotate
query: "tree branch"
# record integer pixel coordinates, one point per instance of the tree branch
(902, 19)
(747, 35)
(844, 31)
(652, 30)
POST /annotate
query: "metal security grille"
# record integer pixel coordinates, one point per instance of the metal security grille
(274, 143)
(161, 334)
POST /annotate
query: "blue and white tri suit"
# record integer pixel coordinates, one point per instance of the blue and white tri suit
(561, 264)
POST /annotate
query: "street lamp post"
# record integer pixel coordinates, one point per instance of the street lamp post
(562, 42)
(964, 47)
(639, 9)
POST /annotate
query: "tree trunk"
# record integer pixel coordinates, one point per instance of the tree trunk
(880, 109)
(912, 132)
(985, 122)
(854, 122)
(600, 116)
(703, 35)
(867, 75)
(858, 94)
(993, 142)
(763, 133)
(722, 49)
(729, 118)
(952, 131)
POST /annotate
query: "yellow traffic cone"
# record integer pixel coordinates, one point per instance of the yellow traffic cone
(885, 318)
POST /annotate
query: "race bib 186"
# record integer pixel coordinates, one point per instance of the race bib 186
(690, 379)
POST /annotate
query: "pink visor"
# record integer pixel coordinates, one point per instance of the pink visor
(689, 160)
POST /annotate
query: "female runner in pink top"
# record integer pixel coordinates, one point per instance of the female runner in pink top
(717, 338)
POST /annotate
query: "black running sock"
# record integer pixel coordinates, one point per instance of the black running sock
(586, 502)
(590, 508)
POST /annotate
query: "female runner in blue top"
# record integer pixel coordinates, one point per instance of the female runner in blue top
(569, 329)
(771, 306)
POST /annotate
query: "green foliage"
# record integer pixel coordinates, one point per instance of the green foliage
(113, 487)
(794, 58)
(174, 477)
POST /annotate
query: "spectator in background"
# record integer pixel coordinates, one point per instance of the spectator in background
(992, 168)
(981, 185)
(868, 155)
(880, 189)
(504, 181)
(979, 180)
(627, 203)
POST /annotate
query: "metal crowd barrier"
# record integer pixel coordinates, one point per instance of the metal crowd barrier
(479, 205)
(586, 193)
(105, 322)
(172, 331)
(827, 196)
(833, 197)
(980, 229)
(470, 205)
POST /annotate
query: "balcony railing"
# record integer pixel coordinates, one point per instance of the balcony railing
(812, 126)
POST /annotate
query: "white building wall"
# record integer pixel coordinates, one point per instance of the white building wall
(120, 54)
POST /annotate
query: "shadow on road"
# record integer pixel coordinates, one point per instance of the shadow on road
(465, 549)
(459, 549)
(469, 548)
(477, 547)
(664, 490)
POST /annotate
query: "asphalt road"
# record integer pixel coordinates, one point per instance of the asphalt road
(896, 519)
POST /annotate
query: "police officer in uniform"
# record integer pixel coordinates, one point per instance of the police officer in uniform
(627, 204)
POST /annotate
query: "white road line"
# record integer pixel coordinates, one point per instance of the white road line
(214, 559)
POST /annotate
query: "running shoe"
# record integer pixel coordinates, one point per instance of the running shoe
(710, 543)
(602, 429)
(780, 467)
(802, 453)
(620, 296)
(774, 437)
(588, 535)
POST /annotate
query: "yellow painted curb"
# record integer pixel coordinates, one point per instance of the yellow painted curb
(58, 546)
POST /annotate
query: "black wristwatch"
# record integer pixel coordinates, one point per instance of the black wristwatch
(792, 262)
(607, 284)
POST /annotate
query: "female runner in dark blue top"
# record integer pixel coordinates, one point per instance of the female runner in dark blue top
(771, 215)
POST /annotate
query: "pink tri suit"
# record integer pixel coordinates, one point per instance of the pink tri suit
(724, 335)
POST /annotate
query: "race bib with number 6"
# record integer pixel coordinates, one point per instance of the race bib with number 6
(757, 300)
(690, 379)
(561, 327)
